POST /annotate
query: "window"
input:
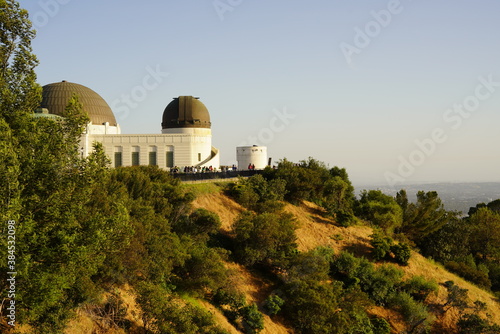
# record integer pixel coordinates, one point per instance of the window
(135, 158)
(118, 159)
(118, 156)
(152, 158)
(170, 156)
(199, 156)
(170, 159)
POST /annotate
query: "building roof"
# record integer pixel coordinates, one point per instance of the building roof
(186, 112)
(55, 98)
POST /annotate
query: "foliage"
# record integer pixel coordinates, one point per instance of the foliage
(474, 324)
(311, 180)
(493, 206)
(258, 194)
(252, 318)
(420, 288)
(383, 247)
(477, 254)
(380, 209)
(424, 217)
(457, 296)
(416, 316)
(469, 272)
(166, 313)
(20, 95)
(380, 326)
(402, 253)
(266, 238)
(273, 304)
(485, 235)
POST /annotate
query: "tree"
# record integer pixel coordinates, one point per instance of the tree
(485, 235)
(382, 210)
(338, 196)
(267, 238)
(20, 95)
(424, 217)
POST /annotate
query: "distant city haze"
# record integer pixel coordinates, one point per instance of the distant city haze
(397, 92)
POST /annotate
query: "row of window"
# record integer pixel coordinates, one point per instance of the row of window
(136, 158)
(152, 157)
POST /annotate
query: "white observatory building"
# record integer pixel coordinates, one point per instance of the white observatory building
(185, 139)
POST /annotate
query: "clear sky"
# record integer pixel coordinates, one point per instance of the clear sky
(394, 91)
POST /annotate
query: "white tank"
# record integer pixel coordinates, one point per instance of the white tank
(251, 155)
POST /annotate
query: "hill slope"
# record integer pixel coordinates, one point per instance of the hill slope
(315, 230)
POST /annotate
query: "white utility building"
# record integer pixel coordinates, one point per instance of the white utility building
(251, 155)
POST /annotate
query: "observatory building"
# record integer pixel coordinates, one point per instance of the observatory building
(185, 139)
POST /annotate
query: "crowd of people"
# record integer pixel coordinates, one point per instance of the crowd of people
(203, 169)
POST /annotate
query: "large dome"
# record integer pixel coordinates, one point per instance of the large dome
(55, 98)
(186, 112)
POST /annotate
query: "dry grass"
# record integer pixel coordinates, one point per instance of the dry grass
(227, 209)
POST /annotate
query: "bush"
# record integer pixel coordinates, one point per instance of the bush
(266, 238)
(420, 288)
(402, 253)
(415, 314)
(252, 318)
(381, 245)
(273, 304)
(380, 326)
(474, 324)
(469, 273)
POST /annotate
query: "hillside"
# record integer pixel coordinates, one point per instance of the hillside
(314, 230)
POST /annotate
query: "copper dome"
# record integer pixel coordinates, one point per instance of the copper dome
(55, 98)
(186, 112)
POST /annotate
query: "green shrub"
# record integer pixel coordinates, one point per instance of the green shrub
(402, 253)
(416, 316)
(381, 245)
(420, 288)
(267, 238)
(380, 326)
(253, 320)
(273, 304)
(469, 273)
(474, 324)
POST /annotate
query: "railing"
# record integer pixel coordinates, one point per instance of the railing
(215, 175)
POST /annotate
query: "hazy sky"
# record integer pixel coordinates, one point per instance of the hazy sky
(394, 91)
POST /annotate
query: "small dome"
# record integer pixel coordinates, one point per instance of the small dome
(186, 112)
(55, 98)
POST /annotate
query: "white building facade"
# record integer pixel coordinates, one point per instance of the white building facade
(185, 141)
